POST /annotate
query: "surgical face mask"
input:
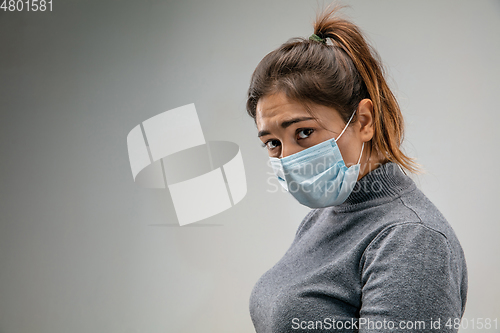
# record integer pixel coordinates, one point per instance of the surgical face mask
(317, 176)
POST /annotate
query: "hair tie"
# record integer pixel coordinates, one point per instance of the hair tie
(317, 38)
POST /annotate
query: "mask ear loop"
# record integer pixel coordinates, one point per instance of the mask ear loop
(362, 146)
(352, 115)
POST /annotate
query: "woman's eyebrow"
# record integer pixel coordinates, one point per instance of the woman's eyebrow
(285, 124)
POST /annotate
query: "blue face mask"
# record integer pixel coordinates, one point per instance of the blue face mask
(317, 176)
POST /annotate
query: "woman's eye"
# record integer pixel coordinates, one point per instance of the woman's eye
(271, 144)
(304, 133)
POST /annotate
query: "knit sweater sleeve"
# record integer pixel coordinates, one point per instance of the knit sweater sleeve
(409, 282)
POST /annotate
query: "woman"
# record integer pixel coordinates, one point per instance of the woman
(374, 254)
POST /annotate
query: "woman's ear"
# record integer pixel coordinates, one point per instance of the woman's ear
(365, 119)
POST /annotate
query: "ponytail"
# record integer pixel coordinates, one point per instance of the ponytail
(338, 72)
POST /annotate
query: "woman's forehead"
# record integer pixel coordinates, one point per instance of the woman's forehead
(277, 106)
(271, 105)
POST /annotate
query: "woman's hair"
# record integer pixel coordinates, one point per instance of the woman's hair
(338, 73)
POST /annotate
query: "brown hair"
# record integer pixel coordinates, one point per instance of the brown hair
(338, 73)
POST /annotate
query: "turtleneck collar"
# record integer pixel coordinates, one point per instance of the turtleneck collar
(383, 184)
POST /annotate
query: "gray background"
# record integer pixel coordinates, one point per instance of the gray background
(84, 249)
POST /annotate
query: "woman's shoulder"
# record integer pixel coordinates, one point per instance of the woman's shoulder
(428, 214)
(422, 230)
(411, 211)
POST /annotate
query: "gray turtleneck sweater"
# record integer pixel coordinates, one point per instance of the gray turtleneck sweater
(385, 260)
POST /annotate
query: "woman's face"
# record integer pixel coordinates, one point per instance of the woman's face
(285, 128)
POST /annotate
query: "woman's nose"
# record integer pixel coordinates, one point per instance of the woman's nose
(288, 149)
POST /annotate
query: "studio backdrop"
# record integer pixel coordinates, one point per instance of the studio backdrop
(118, 213)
